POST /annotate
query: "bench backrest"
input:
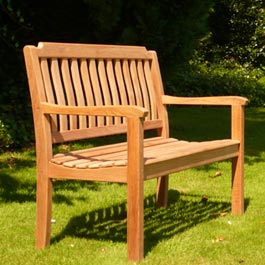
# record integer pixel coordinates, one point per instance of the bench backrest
(94, 75)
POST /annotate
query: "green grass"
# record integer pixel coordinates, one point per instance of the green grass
(90, 225)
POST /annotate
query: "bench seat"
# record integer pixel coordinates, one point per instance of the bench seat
(174, 153)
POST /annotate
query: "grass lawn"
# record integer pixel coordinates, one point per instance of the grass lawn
(89, 225)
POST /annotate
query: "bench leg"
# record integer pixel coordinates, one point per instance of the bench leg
(44, 209)
(135, 193)
(237, 119)
(238, 185)
(162, 192)
(135, 222)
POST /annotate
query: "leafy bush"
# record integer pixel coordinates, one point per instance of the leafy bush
(15, 110)
(236, 32)
(5, 137)
(220, 79)
(229, 59)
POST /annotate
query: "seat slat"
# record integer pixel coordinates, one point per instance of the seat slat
(61, 158)
(119, 158)
(97, 159)
(102, 150)
(115, 155)
(189, 148)
(175, 164)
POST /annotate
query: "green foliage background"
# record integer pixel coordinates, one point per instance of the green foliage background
(211, 47)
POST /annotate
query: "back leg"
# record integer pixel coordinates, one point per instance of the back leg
(162, 191)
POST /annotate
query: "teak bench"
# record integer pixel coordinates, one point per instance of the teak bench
(81, 91)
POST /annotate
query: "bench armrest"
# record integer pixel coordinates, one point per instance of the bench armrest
(215, 100)
(114, 111)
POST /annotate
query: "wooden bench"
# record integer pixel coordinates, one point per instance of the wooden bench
(81, 91)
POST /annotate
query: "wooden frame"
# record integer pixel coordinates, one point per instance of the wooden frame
(81, 91)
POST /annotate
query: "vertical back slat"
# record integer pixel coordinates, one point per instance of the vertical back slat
(104, 87)
(87, 89)
(128, 82)
(113, 87)
(151, 92)
(80, 99)
(96, 88)
(144, 88)
(69, 92)
(59, 91)
(44, 65)
(136, 84)
(121, 84)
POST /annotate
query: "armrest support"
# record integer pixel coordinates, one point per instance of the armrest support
(114, 111)
(237, 110)
(215, 100)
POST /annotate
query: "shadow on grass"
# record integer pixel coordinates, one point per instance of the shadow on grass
(12, 190)
(18, 180)
(16, 184)
(73, 186)
(183, 212)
